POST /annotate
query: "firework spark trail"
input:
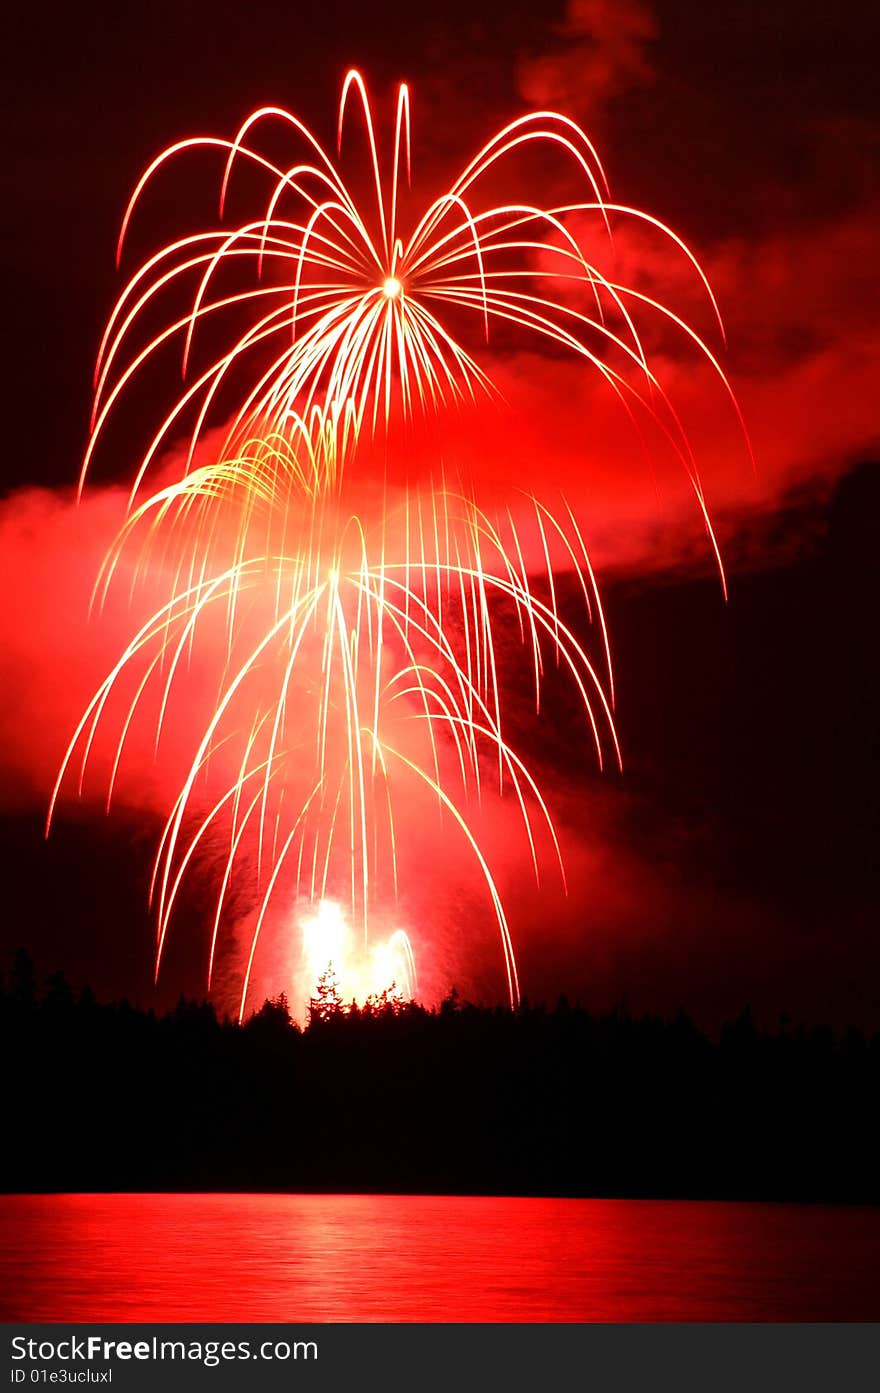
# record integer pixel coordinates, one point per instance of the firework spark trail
(380, 629)
(352, 317)
(360, 648)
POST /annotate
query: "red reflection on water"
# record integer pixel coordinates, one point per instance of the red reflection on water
(424, 1258)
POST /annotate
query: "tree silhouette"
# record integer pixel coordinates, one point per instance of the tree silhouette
(273, 1020)
(59, 994)
(326, 1005)
(545, 1100)
(23, 982)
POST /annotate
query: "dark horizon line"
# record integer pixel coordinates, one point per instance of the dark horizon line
(56, 984)
(459, 1100)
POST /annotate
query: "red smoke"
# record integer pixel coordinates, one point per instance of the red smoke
(803, 359)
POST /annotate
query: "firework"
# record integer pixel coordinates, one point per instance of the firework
(332, 314)
(359, 634)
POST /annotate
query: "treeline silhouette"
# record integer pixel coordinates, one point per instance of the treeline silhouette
(462, 1099)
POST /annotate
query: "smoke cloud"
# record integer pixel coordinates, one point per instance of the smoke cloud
(599, 51)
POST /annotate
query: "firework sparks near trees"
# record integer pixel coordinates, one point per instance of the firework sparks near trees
(363, 632)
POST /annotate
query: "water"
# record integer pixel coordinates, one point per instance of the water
(423, 1258)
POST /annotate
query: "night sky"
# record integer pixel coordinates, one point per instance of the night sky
(734, 860)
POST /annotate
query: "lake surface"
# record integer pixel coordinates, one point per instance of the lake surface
(428, 1258)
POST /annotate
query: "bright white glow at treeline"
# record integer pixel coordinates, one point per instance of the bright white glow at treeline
(359, 970)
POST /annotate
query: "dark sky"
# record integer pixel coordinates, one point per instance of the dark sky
(735, 854)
